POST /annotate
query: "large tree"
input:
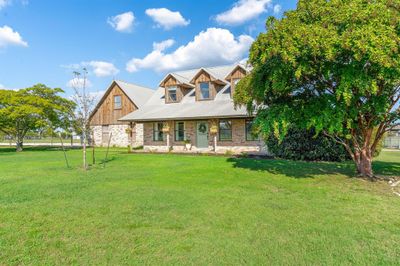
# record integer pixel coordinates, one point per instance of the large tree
(32, 109)
(330, 65)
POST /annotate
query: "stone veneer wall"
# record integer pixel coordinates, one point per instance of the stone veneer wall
(120, 137)
(238, 143)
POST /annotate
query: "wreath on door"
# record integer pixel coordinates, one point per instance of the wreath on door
(202, 128)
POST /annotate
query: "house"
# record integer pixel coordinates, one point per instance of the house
(120, 99)
(392, 139)
(194, 110)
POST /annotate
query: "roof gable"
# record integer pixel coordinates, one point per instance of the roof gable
(136, 94)
(238, 66)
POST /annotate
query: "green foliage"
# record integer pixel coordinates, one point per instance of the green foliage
(300, 144)
(329, 65)
(33, 108)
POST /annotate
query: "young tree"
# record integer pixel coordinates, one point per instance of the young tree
(31, 109)
(332, 65)
(85, 102)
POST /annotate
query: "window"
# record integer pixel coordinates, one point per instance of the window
(204, 90)
(180, 131)
(235, 82)
(172, 94)
(117, 102)
(158, 134)
(225, 130)
(250, 136)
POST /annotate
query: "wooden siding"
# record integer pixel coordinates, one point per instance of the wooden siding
(238, 73)
(170, 81)
(106, 114)
(205, 77)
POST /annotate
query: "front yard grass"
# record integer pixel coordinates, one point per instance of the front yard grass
(174, 209)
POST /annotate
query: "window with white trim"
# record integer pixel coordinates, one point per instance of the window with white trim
(172, 94)
(117, 102)
(204, 90)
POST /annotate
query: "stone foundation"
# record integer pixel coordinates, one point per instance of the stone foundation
(237, 145)
(220, 150)
(120, 135)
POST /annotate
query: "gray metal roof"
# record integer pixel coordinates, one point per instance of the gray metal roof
(137, 94)
(156, 109)
(188, 108)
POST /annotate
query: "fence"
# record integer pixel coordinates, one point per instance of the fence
(41, 141)
(392, 142)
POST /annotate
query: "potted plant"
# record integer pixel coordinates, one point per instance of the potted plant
(188, 144)
(165, 128)
(213, 130)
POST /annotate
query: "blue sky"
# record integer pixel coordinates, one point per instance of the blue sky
(43, 41)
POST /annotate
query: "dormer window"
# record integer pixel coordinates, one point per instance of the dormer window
(172, 96)
(117, 102)
(204, 90)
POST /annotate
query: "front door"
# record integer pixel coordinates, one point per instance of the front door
(202, 134)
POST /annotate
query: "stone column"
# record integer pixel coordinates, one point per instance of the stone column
(133, 134)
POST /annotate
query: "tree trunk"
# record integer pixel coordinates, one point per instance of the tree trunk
(363, 161)
(84, 152)
(19, 143)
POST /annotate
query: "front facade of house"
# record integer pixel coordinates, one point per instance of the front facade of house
(120, 99)
(194, 111)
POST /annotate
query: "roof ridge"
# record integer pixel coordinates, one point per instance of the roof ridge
(135, 84)
(203, 67)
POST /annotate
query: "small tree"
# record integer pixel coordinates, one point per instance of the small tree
(329, 65)
(32, 109)
(85, 103)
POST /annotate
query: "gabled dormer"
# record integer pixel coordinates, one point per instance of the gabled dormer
(207, 85)
(175, 87)
(235, 76)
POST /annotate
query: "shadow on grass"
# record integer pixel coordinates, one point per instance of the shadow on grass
(386, 168)
(300, 169)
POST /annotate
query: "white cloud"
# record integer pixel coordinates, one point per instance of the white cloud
(161, 46)
(79, 83)
(277, 9)
(122, 22)
(166, 18)
(214, 46)
(99, 68)
(103, 69)
(2, 87)
(10, 37)
(4, 3)
(97, 95)
(243, 11)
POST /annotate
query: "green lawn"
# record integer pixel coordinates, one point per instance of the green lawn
(170, 209)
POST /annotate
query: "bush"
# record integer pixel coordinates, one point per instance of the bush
(301, 144)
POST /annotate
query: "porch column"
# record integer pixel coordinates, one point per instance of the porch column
(215, 143)
(133, 134)
(168, 146)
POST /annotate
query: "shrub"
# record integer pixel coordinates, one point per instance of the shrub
(302, 144)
